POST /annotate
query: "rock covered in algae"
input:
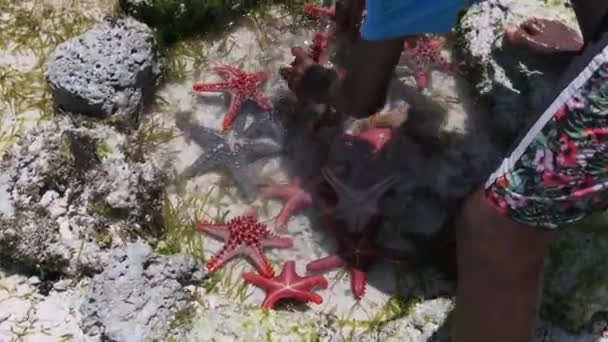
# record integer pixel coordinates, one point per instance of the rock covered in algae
(62, 187)
(136, 296)
(107, 71)
(175, 18)
(515, 82)
(576, 276)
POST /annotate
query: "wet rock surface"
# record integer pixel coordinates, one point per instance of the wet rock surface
(107, 71)
(136, 296)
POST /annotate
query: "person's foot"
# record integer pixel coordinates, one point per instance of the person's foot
(544, 36)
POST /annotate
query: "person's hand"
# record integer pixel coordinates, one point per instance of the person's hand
(307, 79)
(544, 36)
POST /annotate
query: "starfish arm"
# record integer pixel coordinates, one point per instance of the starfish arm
(203, 164)
(215, 87)
(358, 282)
(243, 179)
(277, 191)
(260, 148)
(340, 188)
(276, 241)
(262, 100)
(324, 264)
(422, 79)
(257, 257)
(219, 231)
(223, 256)
(268, 284)
(290, 208)
(233, 110)
(202, 135)
(311, 282)
(380, 188)
(301, 296)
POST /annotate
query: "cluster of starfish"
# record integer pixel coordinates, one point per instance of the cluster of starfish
(422, 53)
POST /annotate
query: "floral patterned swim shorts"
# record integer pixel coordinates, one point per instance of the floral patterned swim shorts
(558, 174)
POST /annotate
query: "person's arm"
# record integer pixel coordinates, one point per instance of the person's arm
(362, 91)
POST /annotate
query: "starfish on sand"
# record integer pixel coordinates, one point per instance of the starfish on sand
(242, 85)
(244, 236)
(233, 150)
(357, 252)
(294, 195)
(288, 285)
(423, 55)
(357, 206)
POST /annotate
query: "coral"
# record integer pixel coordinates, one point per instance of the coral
(318, 48)
(357, 206)
(357, 252)
(233, 150)
(288, 285)
(295, 197)
(316, 11)
(424, 54)
(241, 85)
(244, 235)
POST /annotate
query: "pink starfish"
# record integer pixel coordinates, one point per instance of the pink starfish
(295, 198)
(242, 85)
(244, 235)
(313, 10)
(287, 285)
(377, 137)
(425, 54)
(357, 252)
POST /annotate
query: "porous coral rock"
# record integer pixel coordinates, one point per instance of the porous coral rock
(53, 208)
(138, 293)
(231, 323)
(107, 71)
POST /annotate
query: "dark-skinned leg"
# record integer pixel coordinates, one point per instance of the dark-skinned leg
(500, 267)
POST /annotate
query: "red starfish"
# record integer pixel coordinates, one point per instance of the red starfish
(287, 285)
(357, 252)
(377, 137)
(425, 54)
(295, 198)
(318, 49)
(313, 10)
(242, 85)
(244, 235)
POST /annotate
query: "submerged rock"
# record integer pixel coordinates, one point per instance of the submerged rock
(109, 70)
(137, 294)
(515, 82)
(65, 186)
(175, 18)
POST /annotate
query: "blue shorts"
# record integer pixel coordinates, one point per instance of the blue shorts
(386, 19)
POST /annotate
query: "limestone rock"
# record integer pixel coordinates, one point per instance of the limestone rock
(109, 70)
(63, 186)
(226, 322)
(137, 294)
(515, 83)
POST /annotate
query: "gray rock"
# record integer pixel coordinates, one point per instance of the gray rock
(107, 71)
(228, 322)
(422, 323)
(515, 83)
(136, 296)
(59, 207)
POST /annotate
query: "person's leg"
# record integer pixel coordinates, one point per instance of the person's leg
(500, 266)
